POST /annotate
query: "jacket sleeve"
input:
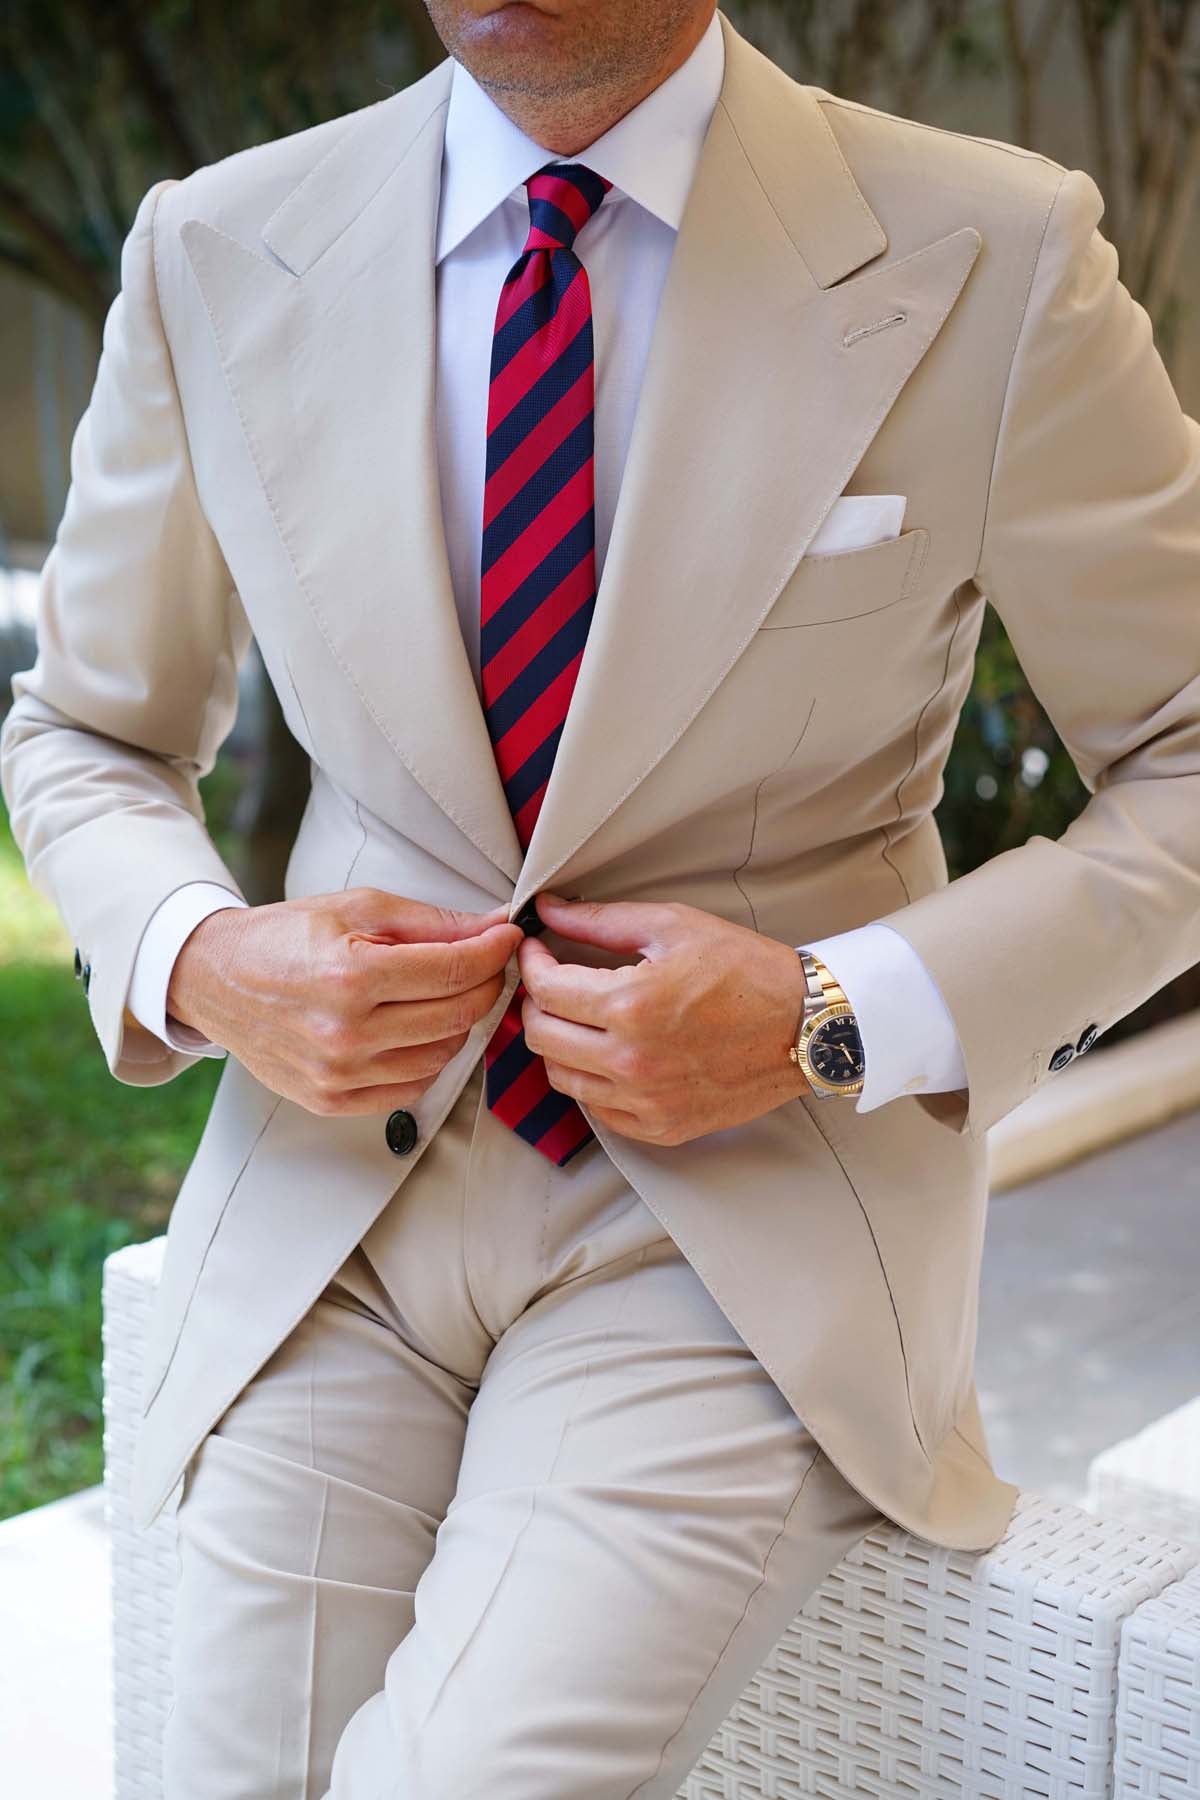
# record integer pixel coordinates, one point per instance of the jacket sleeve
(1090, 553)
(140, 634)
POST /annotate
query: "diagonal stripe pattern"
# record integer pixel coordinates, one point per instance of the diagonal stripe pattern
(538, 568)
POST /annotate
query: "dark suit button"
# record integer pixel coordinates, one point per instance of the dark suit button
(1090, 1034)
(87, 976)
(400, 1132)
(528, 919)
(1062, 1056)
(78, 963)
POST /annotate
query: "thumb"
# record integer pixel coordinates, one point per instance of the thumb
(609, 924)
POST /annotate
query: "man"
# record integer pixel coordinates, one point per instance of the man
(569, 1271)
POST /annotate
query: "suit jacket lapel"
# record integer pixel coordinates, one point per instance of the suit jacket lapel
(757, 404)
(328, 341)
(754, 411)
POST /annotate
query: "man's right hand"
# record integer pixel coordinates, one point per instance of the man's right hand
(350, 1002)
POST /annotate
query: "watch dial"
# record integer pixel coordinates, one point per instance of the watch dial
(836, 1053)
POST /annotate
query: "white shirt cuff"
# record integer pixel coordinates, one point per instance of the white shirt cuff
(910, 1042)
(171, 923)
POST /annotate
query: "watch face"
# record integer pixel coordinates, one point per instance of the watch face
(836, 1053)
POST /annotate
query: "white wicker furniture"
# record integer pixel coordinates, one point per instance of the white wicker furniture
(1153, 1477)
(1158, 1697)
(144, 1564)
(913, 1673)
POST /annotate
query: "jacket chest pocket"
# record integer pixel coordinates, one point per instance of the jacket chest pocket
(844, 584)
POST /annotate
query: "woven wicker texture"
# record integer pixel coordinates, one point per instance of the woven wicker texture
(144, 1566)
(1153, 1477)
(913, 1673)
(1158, 1698)
(916, 1671)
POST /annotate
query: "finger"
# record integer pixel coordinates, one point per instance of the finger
(412, 1062)
(579, 1046)
(419, 1021)
(415, 922)
(379, 1098)
(391, 1023)
(430, 970)
(626, 1123)
(611, 924)
(580, 1084)
(570, 990)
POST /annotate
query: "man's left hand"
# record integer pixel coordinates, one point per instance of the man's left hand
(692, 1039)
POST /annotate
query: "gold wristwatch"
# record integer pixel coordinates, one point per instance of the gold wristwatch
(829, 1048)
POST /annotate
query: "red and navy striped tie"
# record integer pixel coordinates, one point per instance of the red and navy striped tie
(538, 586)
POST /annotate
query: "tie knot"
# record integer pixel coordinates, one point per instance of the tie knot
(562, 198)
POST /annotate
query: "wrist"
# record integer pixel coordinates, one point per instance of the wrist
(787, 1016)
(194, 977)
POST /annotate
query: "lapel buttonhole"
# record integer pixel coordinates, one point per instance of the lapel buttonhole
(862, 331)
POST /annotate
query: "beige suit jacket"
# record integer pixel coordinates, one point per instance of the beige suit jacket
(856, 302)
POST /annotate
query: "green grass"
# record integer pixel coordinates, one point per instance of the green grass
(87, 1163)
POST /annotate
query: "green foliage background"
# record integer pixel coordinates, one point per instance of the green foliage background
(86, 1164)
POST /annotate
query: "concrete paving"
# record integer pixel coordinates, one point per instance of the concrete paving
(1090, 1311)
(55, 1661)
(1089, 1328)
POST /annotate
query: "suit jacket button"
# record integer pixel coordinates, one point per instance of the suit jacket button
(78, 963)
(400, 1132)
(528, 919)
(1090, 1034)
(1062, 1056)
(87, 976)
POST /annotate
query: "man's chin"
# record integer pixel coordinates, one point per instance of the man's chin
(519, 45)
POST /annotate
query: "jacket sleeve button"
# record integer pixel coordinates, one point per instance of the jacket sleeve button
(1090, 1034)
(78, 963)
(87, 976)
(400, 1132)
(1062, 1056)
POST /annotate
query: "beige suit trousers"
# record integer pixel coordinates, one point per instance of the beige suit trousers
(512, 1513)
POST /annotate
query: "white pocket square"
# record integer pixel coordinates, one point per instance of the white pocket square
(857, 520)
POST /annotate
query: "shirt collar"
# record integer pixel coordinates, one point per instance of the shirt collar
(650, 154)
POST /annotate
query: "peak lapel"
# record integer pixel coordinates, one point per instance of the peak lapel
(753, 414)
(328, 342)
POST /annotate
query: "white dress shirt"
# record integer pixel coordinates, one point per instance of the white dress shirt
(649, 155)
